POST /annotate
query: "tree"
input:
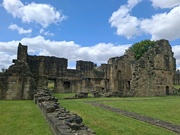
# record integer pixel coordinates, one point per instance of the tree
(141, 47)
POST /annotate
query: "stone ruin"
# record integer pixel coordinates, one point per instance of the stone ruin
(177, 80)
(61, 121)
(152, 75)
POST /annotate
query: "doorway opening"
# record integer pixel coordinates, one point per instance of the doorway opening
(51, 85)
(67, 85)
(167, 90)
(129, 85)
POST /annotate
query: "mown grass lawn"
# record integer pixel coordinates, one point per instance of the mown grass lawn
(163, 108)
(108, 123)
(22, 118)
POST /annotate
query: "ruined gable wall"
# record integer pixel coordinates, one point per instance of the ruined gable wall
(121, 72)
(154, 72)
(18, 82)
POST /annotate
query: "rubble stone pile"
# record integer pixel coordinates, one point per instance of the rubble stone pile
(62, 122)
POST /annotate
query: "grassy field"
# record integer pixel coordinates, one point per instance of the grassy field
(108, 123)
(22, 118)
(163, 108)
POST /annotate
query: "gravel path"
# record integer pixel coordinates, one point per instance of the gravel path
(160, 123)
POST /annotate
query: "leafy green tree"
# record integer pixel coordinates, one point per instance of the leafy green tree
(141, 47)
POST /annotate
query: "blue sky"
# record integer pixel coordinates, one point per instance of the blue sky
(92, 30)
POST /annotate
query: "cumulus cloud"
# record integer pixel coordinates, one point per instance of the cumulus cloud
(98, 53)
(160, 25)
(165, 3)
(126, 24)
(19, 29)
(43, 14)
(164, 25)
(8, 52)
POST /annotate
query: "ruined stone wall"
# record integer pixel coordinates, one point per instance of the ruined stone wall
(120, 73)
(152, 75)
(66, 80)
(17, 82)
(22, 53)
(47, 66)
(86, 68)
(105, 73)
(177, 78)
(70, 85)
(3, 87)
(154, 72)
(61, 121)
(105, 69)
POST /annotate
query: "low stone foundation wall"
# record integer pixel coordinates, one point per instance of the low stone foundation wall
(61, 121)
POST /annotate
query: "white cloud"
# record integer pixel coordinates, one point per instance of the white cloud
(165, 3)
(98, 53)
(43, 14)
(132, 3)
(164, 25)
(19, 29)
(46, 33)
(8, 52)
(5, 60)
(13, 7)
(159, 26)
(126, 24)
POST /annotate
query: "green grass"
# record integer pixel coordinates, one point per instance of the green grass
(50, 84)
(22, 118)
(177, 86)
(108, 123)
(163, 108)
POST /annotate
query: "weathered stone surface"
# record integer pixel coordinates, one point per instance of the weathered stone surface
(156, 77)
(17, 82)
(177, 77)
